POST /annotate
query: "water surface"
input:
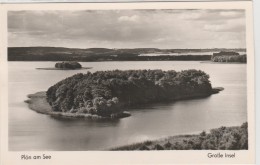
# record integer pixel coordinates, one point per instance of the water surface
(29, 130)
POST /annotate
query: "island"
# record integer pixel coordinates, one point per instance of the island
(229, 57)
(105, 94)
(66, 65)
(223, 138)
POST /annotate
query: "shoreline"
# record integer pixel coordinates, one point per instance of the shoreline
(38, 103)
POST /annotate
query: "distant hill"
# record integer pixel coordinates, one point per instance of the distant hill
(105, 54)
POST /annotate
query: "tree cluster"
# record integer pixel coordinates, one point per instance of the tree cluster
(226, 53)
(68, 65)
(233, 58)
(223, 138)
(106, 92)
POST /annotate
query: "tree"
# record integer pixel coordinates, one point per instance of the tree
(107, 92)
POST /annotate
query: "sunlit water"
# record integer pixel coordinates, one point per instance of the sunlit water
(185, 53)
(29, 130)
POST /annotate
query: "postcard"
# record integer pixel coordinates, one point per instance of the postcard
(127, 83)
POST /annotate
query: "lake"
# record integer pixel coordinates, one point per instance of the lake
(186, 53)
(31, 131)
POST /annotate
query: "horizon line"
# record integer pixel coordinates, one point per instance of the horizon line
(111, 48)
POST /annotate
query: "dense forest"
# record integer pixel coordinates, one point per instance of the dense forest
(68, 65)
(223, 138)
(232, 58)
(225, 53)
(104, 54)
(106, 92)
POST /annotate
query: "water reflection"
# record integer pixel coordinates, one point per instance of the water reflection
(86, 122)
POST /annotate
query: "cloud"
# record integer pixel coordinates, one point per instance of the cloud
(218, 28)
(227, 26)
(212, 15)
(160, 39)
(192, 15)
(127, 28)
(232, 14)
(133, 18)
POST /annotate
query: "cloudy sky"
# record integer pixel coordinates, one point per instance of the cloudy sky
(128, 28)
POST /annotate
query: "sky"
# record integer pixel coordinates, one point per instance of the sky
(165, 29)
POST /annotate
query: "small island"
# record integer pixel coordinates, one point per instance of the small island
(223, 138)
(228, 57)
(105, 94)
(66, 65)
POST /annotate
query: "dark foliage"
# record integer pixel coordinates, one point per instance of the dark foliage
(223, 138)
(158, 147)
(228, 56)
(68, 65)
(232, 58)
(106, 92)
(225, 53)
(103, 54)
(167, 145)
(144, 147)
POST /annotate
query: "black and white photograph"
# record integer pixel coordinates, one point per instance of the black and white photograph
(129, 79)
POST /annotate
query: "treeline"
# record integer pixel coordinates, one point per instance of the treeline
(223, 138)
(234, 58)
(118, 57)
(65, 54)
(164, 58)
(106, 92)
(104, 54)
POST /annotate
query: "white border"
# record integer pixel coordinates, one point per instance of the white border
(129, 157)
(257, 70)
